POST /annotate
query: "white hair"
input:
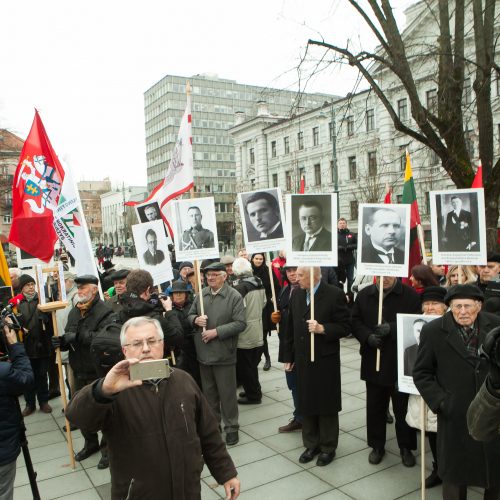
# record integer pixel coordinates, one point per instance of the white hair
(138, 321)
(15, 271)
(242, 267)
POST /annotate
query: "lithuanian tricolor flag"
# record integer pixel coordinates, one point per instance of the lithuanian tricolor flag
(4, 269)
(410, 197)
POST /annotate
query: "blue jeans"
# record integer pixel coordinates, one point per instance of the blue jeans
(7, 476)
(291, 382)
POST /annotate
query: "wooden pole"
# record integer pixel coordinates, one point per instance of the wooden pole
(420, 233)
(423, 418)
(273, 290)
(379, 317)
(311, 298)
(62, 388)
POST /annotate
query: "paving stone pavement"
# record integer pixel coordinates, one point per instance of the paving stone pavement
(267, 461)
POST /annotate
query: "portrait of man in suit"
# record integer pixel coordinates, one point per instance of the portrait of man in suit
(148, 213)
(262, 217)
(196, 236)
(313, 235)
(382, 233)
(460, 231)
(410, 354)
(152, 256)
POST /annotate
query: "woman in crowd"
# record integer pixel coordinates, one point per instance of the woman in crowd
(421, 277)
(467, 276)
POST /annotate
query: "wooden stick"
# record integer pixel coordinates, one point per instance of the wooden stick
(379, 318)
(423, 418)
(62, 388)
(420, 234)
(273, 290)
(311, 294)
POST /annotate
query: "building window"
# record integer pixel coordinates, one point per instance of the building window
(300, 140)
(286, 143)
(351, 161)
(7, 219)
(370, 120)
(427, 203)
(403, 109)
(467, 92)
(317, 174)
(498, 85)
(275, 180)
(372, 163)
(330, 131)
(433, 157)
(399, 198)
(402, 157)
(252, 156)
(315, 136)
(354, 209)
(432, 100)
(350, 125)
(273, 149)
(302, 173)
(288, 177)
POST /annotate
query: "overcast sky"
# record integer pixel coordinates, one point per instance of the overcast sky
(85, 65)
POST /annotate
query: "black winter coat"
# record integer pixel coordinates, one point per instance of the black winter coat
(16, 377)
(86, 328)
(318, 382)
(448, 378)
(37, 338)
(283, 307)
(401, 299)
(347, 242)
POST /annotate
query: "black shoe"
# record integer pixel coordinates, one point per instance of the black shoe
(246, 401)
(54, 394)
(308, 455)
(242, 394)
(103, 463)
(267, 365)
(86, 452)
(433, 479)
(232, 438)
(389, 418)
(71, 427)
(325, 458)
(376, 455)
(407, 457)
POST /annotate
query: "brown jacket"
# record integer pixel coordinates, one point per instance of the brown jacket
(158, 438)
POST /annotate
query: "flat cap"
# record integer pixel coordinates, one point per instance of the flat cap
(120, 274)
(227, 259)
(179, 286)
(493, 257)
(434, 293)
(185, 264)
(214, 266)
(86, 279)
(463, 292)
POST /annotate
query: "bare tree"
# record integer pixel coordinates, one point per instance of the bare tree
(442, 128)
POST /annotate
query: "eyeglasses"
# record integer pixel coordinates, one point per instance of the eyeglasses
(139, 344)
(465, 307)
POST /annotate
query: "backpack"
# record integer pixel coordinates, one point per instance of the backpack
(106, 349)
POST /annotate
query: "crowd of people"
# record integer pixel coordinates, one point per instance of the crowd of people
(216, 338)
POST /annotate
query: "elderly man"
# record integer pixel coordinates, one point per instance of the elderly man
(120, 284)
(448, 374)
(318, 382)
(488, 272)
(89, 315)
(15, 274)
(383, 233)
(263, 213)
(160, 431)
(216, 340)
(196, 236)
(381, 385)
(315, 237)
(151, 213)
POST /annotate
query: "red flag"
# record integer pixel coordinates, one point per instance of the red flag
(387, 199)
(302, 187)
(35, 194)
(478, 179)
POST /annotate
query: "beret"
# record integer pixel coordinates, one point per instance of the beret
(120, 274)
(86, 279)
(435, 293)
(463, 292)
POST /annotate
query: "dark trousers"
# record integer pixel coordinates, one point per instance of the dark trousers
(432, 436)
(265, 348)
(53, 372)
(346, 272)
(247, 373)
(459, 492)
(40, 390)
(377, 404)
(321, 432)
(291, 382)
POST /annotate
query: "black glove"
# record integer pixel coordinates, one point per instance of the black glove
(375, 341)
(491, 350)
(383, 330)
(56, 342)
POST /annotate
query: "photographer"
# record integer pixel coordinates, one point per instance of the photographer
(483, 415)
(16, 376)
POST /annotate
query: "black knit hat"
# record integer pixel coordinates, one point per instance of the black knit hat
(434, 293)
(463, 292)
(24, 279)
(185, 264)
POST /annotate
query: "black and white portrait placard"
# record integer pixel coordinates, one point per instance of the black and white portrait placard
(383, 239)
(409, 328)
(262, 220)
(311, 222)
(195, 229)
(152, 250)
(458, 227)
(148, 212)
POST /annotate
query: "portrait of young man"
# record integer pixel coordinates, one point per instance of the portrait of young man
(262, 215)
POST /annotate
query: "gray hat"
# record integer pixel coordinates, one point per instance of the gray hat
(68, 275)
(227, 259)
(214, 266)
(86, 279)
(463, 292)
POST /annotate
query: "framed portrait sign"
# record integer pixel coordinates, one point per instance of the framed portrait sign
(409, 328)
(311, 229)
(383, 239)
(152, 250)
(151, 211)
(195, 229)
(262, 220)
(26, 260)
(458, 227)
